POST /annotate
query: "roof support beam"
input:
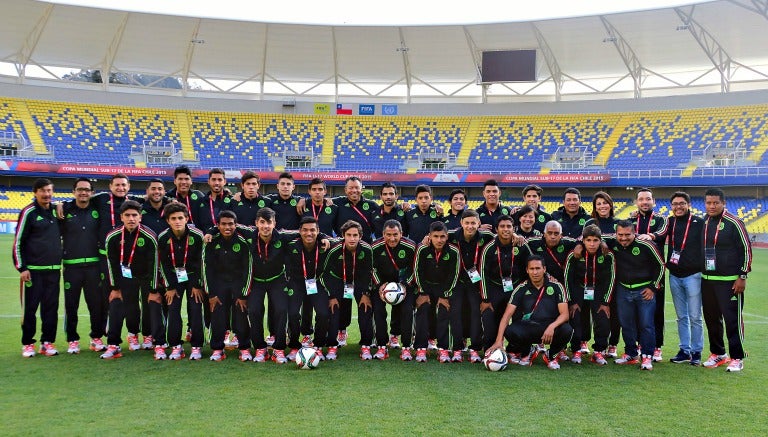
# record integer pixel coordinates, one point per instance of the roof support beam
(112, 49)
(30, 43)
(759, 7)
(264, 62)
(634, 66)
(403, 49)
(474, 51)
(193, 41)
(551, 60)
(714, 51)
(335, 54)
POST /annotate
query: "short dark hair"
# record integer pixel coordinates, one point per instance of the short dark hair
(682, 194)
(227, 214)
(353, 179)
(469, 213)
(267, 214)
(504, 217)
(715, 192)
(644, 189)
(248, 176)
(533, 187)
(591, 231)
(82, 179)
(625, 224)
(130, 204)
(387, 185)
(316, 181)
(155, 181)
(285, 175)
(538, 258)
(40, 183)
(182, 169)
(525, 209)
(490, 182)
(349, 224)
(307, 219)
(214, 171)
(173, 208)
(455, 192)
(437, 227)
(572, 190)
(118, 176)
(423, 188)
(392, 223)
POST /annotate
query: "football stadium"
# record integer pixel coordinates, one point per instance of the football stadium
(620, 99)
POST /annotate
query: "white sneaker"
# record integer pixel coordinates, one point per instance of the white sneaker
(331, 355)
(647, 363)
(245, 355)
(74, 347)
(432, 344)
(342, 338)
(97, 345)
(148, 343)
(381, 353)
(736, 365)
(306, 341)
(113, 351)
(393, 342)
(657, 355)
(160, 353)
(195, 354)
(177, 353)
(584, 348)
(28, 351)
(48, 349)
(715, 360)
(133, 342)
(270, 340)
(365, 353)
(218, 355)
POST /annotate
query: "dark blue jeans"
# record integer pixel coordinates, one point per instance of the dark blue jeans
(636, 313)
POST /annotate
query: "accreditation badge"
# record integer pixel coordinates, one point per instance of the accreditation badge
(311, 286)
(674, 257)
(349, 291)
(474, 275)
(709, 259)
(589, 293)
(507, 284)
(181, 274)
(126, 271)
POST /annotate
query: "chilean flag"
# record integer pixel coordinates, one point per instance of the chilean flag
(343, 109)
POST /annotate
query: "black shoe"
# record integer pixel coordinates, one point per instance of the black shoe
(695, 358)
(682, 357)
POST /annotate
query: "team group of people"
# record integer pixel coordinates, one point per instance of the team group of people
(472, 278)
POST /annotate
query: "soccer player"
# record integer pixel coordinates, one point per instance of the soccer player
(389, 210)
(213, 202)
(247, 204)
(727, 262)
(132, 263)
(304, 261)
(226, 272)
(589, 283)
(284, 203)
(639, 274)
(393, 257)
(647, 225)
(152, 209)
(183, 192)
(491, 208)
(572, 216)
(37, 257)
(532, 197)
(324, 212)
(684, 263)
(347, 275)
(80, 237)
(436, 271)
(420, 218)
(502, 267)
(180, 253)
(543, 308)
(465, 299)
(458, 201)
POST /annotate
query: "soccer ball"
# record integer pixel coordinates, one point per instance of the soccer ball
(394, 293)
(496, 361)
(307, 358)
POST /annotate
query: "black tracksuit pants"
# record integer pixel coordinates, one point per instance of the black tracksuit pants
(522, 334)
(721, 305)
(85, 279)
(41, 291)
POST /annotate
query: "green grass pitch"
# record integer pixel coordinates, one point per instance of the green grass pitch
(82, 395)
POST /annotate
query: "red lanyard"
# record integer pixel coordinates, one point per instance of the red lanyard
(594, 269)
(133, 248)
(511, 263)
(213, 214)
(648, 228)
(189, 209)
(316, 214)
(541, 294)
(360, 214)
(391, 258)
(173, 255)
(112, 209)
(685, 236)
(304, 261)
(437, 257)
(477, 250)
(717, 231)
(553, 256)
(266, 249)
(344, 263)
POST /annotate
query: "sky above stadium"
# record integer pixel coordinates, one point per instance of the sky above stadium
(381, 13)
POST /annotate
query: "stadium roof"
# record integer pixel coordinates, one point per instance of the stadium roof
(703, 47)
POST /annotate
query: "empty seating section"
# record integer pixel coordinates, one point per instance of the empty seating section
(99, 134)
(665, 139)
(9, 122)
(241, 140)
(519, 143)
(386, 143)
(12, 200)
